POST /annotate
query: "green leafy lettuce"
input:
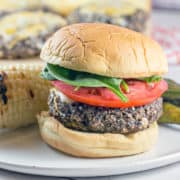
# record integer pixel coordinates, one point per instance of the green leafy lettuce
(84, 79)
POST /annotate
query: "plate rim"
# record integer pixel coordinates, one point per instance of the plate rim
(107, 171)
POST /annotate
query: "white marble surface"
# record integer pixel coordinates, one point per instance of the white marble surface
(172, 171)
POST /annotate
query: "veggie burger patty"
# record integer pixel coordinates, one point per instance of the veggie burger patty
(83, 117)
(136, 20)
(122, 13)
(22, 34)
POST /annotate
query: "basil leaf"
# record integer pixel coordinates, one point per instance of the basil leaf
(83, 79)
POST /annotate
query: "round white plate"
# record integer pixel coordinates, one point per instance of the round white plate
(23, 151)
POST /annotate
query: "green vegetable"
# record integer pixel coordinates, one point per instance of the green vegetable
(46, 75)
(172, 95)
(151, 79)
(171, 105)
(173, 92)
(125, 86)
(171, 114)
(83, 79)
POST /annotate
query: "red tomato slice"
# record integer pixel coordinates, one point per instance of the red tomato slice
(140, 93)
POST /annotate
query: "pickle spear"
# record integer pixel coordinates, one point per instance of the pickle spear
(171, 105)
(172, 95)
(171, 114)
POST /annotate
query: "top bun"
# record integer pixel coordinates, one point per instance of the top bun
(105, 50)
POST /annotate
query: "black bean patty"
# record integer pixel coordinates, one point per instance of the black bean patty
(25, 48)
(27, 35)
(88, 118)
(136, 21)
(43, 8)
(4, 13)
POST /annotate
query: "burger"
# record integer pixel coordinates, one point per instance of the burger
(22, 34)
(106, 95)
(135, 15)
(11, 6)
(62, 7)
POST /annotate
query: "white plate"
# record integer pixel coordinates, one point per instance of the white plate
(23, 151)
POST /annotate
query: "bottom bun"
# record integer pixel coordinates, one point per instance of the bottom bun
(94, 145)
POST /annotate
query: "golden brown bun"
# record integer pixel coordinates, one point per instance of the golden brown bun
(105, 50)
(94, 145)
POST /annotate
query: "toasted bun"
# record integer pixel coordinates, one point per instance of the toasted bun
(92, 144)
(105, 50)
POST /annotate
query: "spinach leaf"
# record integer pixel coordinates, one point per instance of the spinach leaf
(46, 75)
(151, 79)
(83, 79)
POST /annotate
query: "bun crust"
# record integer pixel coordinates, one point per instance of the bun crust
(105, 49)
(94, 145)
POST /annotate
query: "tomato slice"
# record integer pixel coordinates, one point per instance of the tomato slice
(140, 93)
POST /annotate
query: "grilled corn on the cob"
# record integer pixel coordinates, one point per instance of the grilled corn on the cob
(22, 93)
